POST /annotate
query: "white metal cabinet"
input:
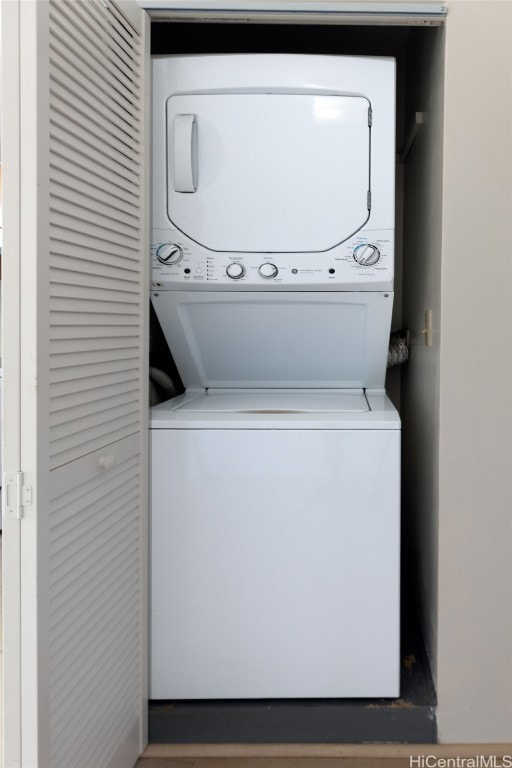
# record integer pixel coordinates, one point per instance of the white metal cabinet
(275, 562)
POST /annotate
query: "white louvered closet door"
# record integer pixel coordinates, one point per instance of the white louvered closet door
(81, 247)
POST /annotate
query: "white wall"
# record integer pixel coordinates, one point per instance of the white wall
(475, 451)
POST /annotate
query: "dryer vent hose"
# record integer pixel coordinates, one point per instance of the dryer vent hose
(161, 386)
(398, 351)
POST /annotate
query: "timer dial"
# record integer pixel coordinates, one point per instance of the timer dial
(268, 270)
(235, 270)
(366, 254)
(169, 253)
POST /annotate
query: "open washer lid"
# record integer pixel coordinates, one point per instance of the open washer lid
(254, 340)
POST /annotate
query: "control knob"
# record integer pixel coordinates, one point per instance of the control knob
(268, 270)
(169, 253)
(366, 254)
(235, 270)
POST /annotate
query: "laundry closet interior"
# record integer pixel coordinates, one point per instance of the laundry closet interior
(417, 48)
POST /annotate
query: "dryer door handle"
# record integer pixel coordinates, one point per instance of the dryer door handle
(185, 153)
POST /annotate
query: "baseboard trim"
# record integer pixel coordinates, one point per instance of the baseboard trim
(324, 750)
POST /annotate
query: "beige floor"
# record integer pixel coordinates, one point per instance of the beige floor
(312, 756)
(274, 762)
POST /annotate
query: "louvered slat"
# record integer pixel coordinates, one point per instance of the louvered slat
(90, 136)
(75, 573)
(73, 527)
(75, 225)
(89, 229)
(83, 233)
(77, 241)
(72, 90)
(97, 303)
(125, 87)
(70, 174)
(113, 696)
(90, 331)
(80, 645)
(70, 630)
(94, 619)
(87, 149)
(104, 690)
(90, 262)
(92, 60)
(65, 450)
(63, 391)
(94, 424)
(83, 292)
(78, 168)
(86, 225)
(69, 504)
(82, 277)
(65, 187)
(122, 24)
(61, 378)
(85, 361)
(121, 49)
(71, 418)
(92, 31)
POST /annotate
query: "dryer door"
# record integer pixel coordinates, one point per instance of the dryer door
(268, 172)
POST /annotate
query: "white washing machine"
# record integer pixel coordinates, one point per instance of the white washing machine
(275, 476)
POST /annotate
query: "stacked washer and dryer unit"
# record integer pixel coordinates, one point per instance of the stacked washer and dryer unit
(275, 475)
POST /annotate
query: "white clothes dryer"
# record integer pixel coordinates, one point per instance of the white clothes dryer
(273, 172)
(275, 510)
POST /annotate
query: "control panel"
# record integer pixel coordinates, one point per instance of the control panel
(364, 262)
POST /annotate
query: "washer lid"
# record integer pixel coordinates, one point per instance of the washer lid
(272, 402)
(268, 172)
(283, 340)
